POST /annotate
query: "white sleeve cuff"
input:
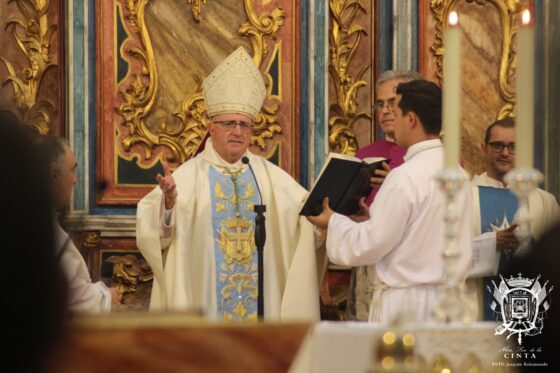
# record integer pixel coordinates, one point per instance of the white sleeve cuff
(106, 296)
(485, 258)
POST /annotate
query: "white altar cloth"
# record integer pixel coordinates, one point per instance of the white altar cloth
(349, 346)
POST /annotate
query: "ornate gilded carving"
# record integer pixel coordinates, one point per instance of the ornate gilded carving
(132, 7)
(196, 8)
(190, 120)
(260, 27)
(507, 9)
(32, 35)
(257, 30)
(130, 272)
(344, 41)
(133, 277)
(92, 239)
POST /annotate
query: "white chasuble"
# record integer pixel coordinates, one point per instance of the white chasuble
(184, 264)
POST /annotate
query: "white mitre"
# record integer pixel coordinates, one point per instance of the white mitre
(235, 86)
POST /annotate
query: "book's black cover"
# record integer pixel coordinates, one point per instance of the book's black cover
(344, 182)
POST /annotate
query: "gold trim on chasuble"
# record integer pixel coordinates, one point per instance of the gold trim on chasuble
(233, 196)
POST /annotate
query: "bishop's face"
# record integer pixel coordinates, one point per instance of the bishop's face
(231, 135)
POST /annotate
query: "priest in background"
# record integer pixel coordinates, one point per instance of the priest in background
(495, 241)
(196, 229)
(404, 235)
(386, 93)
(361, 284)
(84, 295)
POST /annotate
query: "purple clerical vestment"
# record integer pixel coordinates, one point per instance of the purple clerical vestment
(385, 149)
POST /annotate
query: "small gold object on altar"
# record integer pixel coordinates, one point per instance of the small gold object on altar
(395, 353)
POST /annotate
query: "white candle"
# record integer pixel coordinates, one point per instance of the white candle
(452, 92)
(524, 123)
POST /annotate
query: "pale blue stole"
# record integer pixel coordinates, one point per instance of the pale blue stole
(233, 196)
(497, 212)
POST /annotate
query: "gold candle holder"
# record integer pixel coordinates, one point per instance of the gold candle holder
(395, 353)
(522, 181)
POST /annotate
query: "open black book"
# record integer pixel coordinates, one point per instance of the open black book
(344, 179)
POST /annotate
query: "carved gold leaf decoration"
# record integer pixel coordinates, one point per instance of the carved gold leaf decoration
(191, 121)
(196, 8)
(92, 239)
(132, 8)
(130, 272)
(507, 10)
(257, 29)
(32, 35)
(260, 27)
(345, 39)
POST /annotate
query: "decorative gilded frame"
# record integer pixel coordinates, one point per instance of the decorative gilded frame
(33, 31)
(135, 141)
(140, 94)
(507, 9)
(492, 97)
(345, 36)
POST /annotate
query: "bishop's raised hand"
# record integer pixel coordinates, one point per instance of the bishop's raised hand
(168, 187)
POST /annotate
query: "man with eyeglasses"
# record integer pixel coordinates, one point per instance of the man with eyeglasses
(385, 89)
(494, 212)
(196, 229)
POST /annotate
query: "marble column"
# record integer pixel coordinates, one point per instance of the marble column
(318, 86)
(405, 35)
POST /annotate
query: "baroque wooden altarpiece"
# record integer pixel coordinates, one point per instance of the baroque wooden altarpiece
(32, 63)
(488, 73)
(489, 30)
(152, 57)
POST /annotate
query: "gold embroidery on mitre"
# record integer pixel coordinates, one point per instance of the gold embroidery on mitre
(235, 86)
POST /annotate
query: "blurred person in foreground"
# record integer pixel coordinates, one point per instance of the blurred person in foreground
(34, 298)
